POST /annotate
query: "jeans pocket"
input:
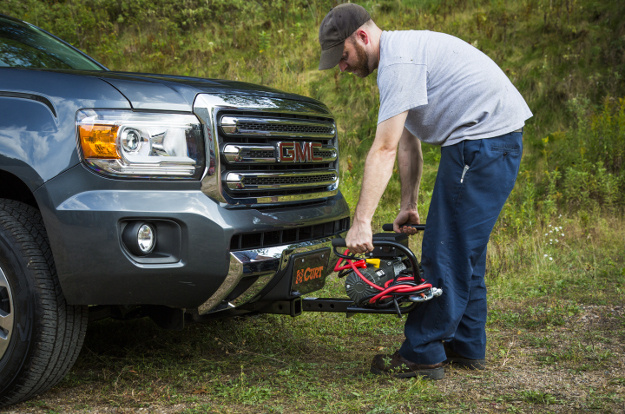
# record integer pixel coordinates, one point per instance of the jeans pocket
(506, 148)
(470, 150)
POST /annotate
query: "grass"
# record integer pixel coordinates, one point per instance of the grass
(555, 267)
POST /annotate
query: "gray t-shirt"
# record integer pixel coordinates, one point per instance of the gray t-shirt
(451, 90)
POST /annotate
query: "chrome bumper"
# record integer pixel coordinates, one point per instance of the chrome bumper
(265, 264)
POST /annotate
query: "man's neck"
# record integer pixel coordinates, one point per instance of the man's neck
(376, 34)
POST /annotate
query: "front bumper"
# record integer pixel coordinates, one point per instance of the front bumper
(269, 270)
(84, 215)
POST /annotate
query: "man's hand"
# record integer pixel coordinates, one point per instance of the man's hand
(359, 238)
(406, 217)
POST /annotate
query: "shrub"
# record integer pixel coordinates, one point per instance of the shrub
(586, 164)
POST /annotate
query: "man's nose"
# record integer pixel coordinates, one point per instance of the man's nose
(342, 65)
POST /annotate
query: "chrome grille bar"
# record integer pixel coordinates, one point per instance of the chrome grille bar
(274, 127)
(250, 154)
(264, 180)
(266, 154)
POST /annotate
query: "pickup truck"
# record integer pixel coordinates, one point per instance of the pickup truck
(130, 195)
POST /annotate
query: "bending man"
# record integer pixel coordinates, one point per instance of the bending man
(440, 90)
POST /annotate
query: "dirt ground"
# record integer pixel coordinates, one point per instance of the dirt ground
(577, 365)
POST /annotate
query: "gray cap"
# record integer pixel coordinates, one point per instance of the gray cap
(338, 25)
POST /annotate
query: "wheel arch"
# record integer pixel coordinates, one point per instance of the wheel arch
(13, 188)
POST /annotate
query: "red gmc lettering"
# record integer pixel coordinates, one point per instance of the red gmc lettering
(288, 146)
(299, 152)
(303, 152)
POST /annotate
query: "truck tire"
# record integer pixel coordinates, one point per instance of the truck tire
(40, 334)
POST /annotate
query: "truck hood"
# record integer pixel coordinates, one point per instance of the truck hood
(177, 93)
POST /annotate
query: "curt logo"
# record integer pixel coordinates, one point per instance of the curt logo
(305, 275)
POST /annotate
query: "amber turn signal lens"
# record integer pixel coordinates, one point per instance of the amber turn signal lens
(98, 141)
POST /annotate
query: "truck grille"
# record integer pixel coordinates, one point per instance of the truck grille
(259, 240)
(276, 157)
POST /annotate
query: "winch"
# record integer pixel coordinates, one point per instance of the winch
(377, 271)
(388, 277)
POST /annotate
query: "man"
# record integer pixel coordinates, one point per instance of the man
(443, 91)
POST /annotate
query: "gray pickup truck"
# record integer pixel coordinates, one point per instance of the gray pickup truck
(129, 195)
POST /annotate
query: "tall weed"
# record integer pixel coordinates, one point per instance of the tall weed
(590, 156)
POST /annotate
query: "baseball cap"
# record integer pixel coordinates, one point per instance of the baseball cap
(338, 25)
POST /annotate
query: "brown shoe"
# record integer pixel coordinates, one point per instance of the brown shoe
(399, 367)
(460, 361)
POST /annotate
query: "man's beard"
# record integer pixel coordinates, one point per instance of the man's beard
(361, 67)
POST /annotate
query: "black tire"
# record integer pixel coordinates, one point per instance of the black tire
(40, 334)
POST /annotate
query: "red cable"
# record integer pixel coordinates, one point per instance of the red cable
(354, 266)
(385, 294)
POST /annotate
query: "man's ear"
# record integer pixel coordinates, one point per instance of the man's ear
(363, 36)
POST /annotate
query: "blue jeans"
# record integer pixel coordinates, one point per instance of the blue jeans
(473, 182)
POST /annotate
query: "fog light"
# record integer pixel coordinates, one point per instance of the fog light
(139, 238)
(146, 238)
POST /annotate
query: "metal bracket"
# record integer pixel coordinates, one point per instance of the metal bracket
(347, 306)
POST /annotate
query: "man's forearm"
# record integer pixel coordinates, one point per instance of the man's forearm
(379, 167)
(378, 170)
(410, 160)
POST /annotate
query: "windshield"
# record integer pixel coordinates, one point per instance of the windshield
(25, 46)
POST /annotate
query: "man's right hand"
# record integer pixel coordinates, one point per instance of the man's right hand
(359, 238)
(406, 217)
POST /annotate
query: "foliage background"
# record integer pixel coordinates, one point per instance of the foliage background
(565, 56)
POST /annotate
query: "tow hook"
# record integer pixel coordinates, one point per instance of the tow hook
(425, 296)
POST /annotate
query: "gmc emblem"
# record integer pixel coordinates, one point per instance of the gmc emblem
(298, 152)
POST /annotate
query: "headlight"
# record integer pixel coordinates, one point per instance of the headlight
(141, 145)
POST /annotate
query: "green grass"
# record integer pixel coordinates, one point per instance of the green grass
(239, 362)
(555, 266)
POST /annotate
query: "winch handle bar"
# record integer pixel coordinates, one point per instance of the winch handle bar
(389, 226)
(382, 243)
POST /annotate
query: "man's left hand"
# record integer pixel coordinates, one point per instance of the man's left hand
(406, 217)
